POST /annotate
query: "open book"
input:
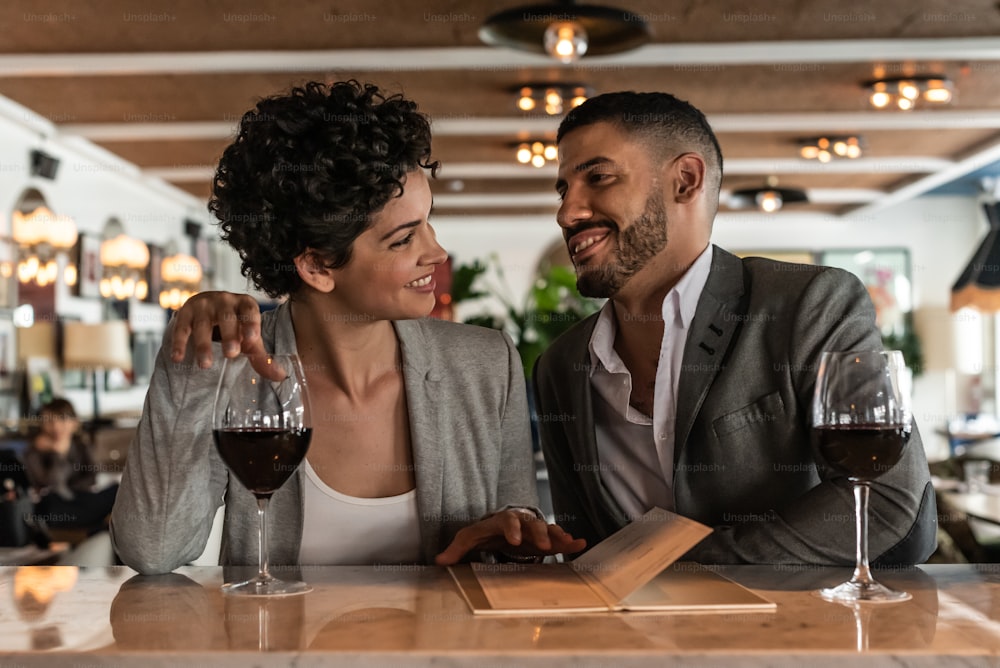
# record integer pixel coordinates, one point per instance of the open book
(623, 572)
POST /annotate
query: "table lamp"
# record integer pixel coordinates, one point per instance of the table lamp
(97, 347)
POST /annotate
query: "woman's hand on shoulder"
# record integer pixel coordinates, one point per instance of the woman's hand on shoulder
(516, 533)
(236, 315)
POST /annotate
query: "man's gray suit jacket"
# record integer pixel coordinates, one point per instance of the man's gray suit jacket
(744, 461)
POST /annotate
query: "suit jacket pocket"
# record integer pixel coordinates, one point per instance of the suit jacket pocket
(767, 409)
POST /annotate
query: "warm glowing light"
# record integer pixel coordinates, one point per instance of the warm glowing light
(566, 41)
(769, 201)
(536, 153)
(906, 93)
(880, 100)
(40, 235)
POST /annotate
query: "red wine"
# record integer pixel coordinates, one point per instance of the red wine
(862, 452)
(262, 459)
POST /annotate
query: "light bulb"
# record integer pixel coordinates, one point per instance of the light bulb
(904, 103)
(908, 90)
(70, 275)
(523, 154)
(566, 41)
(824, 156)
(769, 201)
(809, 152)
(538, 160)
(525, 102)
(879, 99)
(550, 152)
(853, 151)
(938, 95)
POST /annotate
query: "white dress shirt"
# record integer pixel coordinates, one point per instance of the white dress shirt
(636, 451)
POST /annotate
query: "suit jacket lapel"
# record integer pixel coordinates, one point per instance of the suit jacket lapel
(582, 437)
(422, 385)
(715, 323)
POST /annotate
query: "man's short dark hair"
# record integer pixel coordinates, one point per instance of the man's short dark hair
(668, 125)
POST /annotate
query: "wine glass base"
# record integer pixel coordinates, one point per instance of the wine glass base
(862, 592)
(266, 587)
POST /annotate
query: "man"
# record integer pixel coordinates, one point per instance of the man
(691, 388)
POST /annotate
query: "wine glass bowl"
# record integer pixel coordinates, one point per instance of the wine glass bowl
(262, 426)
(861, 425)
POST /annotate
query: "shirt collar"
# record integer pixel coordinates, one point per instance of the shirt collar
(683, 297)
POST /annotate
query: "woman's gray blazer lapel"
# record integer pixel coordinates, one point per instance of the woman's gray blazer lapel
(423, 390)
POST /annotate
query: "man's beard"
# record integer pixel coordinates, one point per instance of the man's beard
(638, 244)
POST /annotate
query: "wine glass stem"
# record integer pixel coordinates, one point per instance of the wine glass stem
(862, 573)
(262, 573)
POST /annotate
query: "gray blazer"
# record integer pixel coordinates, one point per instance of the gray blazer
(743, 460)
(469, 429)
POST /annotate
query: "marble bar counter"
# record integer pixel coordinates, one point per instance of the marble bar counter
(414, 616)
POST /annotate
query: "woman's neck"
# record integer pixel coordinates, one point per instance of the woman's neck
(353, 353)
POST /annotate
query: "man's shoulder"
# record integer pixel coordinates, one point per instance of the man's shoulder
(786, 276)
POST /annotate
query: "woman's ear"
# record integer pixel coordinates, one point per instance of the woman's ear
(313, 271)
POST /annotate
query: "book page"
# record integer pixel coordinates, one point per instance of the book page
(535, 587)
(694, 588)
(634, 555)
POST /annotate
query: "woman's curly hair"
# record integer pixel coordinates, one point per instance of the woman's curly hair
(309, 170)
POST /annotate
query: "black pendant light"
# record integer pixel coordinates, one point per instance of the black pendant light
(978, 286)
(768, 198)
(566, 30)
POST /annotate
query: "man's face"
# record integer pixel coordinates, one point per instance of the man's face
(612, 212)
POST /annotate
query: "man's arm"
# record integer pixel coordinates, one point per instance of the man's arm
(834, 313)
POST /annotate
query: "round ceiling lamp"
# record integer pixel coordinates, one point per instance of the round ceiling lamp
(769, 198)
(566, 31)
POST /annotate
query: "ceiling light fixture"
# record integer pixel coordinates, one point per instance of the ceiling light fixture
(565, 30)
(906, 93)
(41, 235)
(536, 153)
(768, 199)
(826, 149)
(124, 260)
(181, 275)
(552, 98)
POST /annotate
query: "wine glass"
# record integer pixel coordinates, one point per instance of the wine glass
(862, 422)
(262, 424)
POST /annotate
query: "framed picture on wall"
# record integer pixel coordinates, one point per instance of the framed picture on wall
(89, 266)
(44, 383)
(154, 279)
(886, 274)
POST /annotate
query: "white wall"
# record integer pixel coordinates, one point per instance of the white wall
(91, 186)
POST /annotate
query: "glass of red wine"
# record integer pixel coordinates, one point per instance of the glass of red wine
(262, 424)
(862, 422)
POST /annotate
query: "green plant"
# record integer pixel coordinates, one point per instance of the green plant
(551, 306)
(909, 343)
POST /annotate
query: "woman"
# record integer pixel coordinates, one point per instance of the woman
(420, 449)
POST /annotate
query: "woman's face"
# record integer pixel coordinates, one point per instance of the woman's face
(390, 275)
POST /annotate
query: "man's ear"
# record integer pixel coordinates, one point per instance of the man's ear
(312, 269)
(688, 172)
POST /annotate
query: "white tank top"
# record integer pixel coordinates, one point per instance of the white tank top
(338, 529)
